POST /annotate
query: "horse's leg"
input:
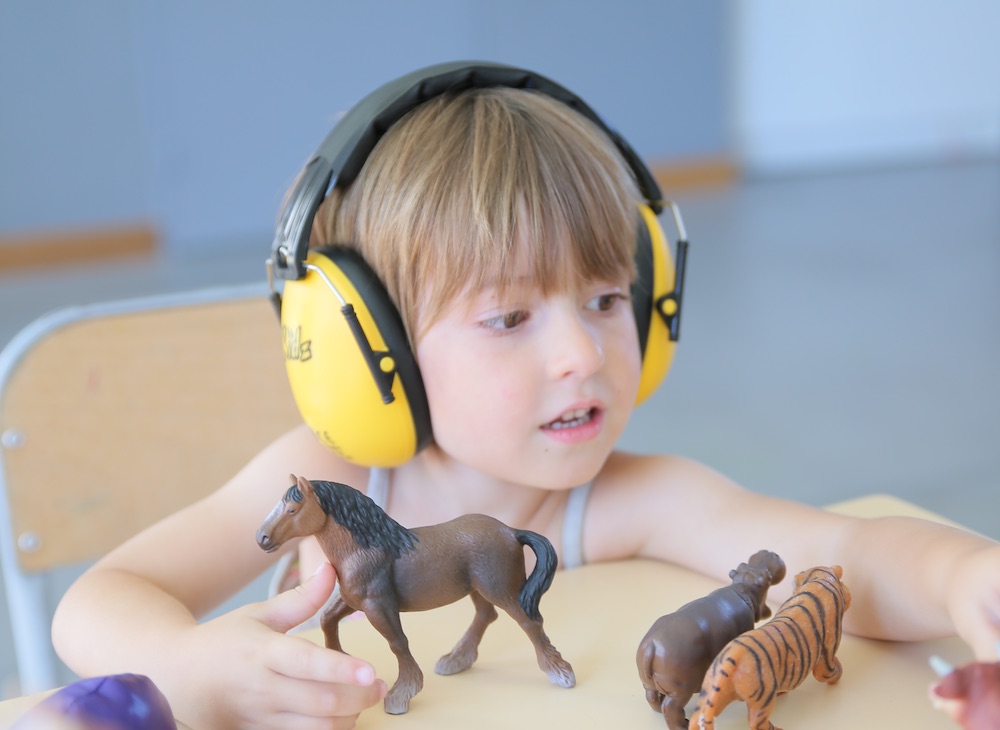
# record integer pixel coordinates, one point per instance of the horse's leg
(410, 680)
(501, 586)
(467, 649)
(330, 622)
(550, 660)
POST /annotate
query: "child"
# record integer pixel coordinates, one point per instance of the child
(503, 225)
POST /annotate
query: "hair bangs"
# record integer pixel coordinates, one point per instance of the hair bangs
(484, 189)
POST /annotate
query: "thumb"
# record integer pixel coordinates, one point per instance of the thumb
(289, 609)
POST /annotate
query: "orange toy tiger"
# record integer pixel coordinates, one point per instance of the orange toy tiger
(762, 663)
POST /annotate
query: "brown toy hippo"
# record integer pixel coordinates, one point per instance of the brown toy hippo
(679, 647)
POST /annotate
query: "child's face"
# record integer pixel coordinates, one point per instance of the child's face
(535, 389)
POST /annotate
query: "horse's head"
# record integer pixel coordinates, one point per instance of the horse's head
(297, 514)
(763, 570)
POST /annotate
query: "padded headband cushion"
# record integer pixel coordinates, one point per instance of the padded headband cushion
(356, 135)
(343, 153)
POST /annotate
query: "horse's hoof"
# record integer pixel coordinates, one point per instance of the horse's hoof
(396, 704)
(453, 664)
(562, 676)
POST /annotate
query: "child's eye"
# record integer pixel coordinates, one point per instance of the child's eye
(606, 302)
(506, 321)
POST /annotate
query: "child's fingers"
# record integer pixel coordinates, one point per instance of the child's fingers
(314, 662)
(289, 609)
(327, 700)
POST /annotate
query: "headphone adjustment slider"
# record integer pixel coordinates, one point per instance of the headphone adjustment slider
(669, 305)
(381, 365)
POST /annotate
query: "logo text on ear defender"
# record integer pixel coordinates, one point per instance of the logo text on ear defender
(295, 347)
(326, 438)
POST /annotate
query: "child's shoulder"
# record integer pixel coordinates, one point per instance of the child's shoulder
(300, 452)
(645, 492)
(629, 471)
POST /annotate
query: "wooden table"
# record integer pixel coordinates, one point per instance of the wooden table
(596, 616)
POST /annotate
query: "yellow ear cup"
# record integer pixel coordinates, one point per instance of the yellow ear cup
(659, 350)
(331, 382)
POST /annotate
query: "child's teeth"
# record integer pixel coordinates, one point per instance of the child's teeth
(573, 418)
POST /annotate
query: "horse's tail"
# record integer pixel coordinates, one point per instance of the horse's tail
(540, 579)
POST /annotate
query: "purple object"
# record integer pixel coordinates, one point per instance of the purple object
(115, 702)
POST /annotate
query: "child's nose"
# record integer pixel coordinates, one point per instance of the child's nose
(574, 349)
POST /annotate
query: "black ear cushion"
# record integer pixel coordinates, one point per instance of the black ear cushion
(390, 325)
(642, 288)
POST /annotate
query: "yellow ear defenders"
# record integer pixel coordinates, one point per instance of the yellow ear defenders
(352, 373)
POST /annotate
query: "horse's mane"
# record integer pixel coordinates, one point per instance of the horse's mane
(368, 523)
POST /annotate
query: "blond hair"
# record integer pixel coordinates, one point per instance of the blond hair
(468, 187)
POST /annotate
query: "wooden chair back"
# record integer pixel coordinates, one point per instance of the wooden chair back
(115, 415)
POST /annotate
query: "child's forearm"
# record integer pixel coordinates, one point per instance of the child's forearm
(136, 631)
(902, 575)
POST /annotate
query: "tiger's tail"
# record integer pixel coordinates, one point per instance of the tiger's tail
(540, 579)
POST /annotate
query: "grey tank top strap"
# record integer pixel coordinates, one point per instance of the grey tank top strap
(378, 486)
(572, 541)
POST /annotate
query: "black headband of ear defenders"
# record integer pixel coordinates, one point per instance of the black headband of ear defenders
(339, 158)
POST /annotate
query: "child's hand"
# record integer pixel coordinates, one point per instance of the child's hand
(974, 601)
(243, 671)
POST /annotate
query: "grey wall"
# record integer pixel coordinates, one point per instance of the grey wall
(196, 115)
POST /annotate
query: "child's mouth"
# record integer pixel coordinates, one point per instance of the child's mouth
(572, 419)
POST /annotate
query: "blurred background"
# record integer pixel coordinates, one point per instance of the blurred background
(838, 167)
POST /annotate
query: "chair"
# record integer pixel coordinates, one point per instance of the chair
(179, 390)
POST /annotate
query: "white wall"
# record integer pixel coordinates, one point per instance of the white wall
(819, 85)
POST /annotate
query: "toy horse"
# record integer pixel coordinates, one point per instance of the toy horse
(764, 662)
(676, 651)
(970, 694)
(384, 568)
